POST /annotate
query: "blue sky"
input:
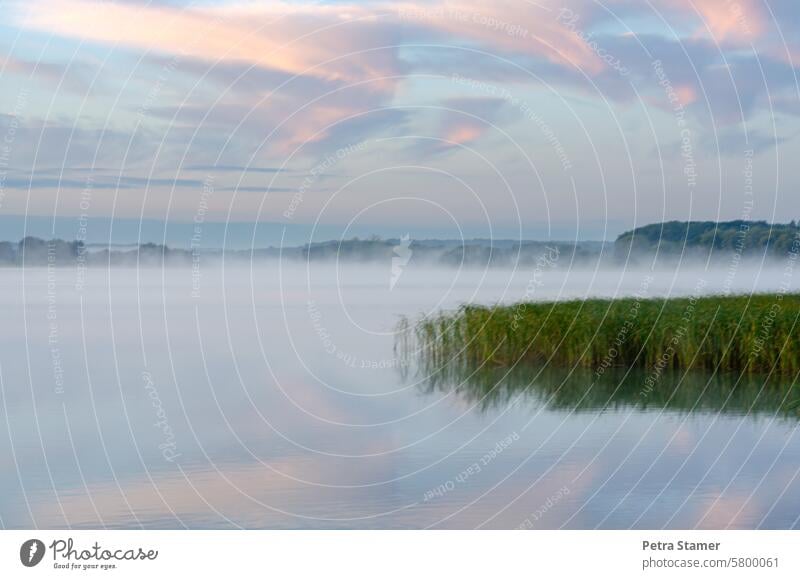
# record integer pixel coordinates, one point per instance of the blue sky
(553, 118)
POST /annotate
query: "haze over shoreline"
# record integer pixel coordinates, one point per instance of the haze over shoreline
(673, 241)
(246, 234)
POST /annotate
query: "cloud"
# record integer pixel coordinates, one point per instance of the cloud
(333, 61)
(292, 38)
(257, 189)
(331, 41)
(734, 142)
(73, 76)
(464, 120)
(101, 182)
(234, 169)
(507, 26)
(325, 63)
(258, 84)
(739, 21)
(36, 142)
(286, 124)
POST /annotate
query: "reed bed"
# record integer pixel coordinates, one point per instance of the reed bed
(748, 334)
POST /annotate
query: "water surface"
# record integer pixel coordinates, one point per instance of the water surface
(271, 397)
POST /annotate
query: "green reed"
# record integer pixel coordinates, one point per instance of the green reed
(750, 334)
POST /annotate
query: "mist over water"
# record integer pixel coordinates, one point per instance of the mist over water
(269, 395)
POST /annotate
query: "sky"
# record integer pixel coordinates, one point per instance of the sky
(554, 119)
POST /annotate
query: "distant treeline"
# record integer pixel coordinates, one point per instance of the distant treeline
(671, 240)
(36, 251)
(475, 252)
(472, 252)
(700, 238)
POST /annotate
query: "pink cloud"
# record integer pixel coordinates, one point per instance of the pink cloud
(334, 42)
(508, 26)
(277, 36)
(463, 134)
(686, 94)
(339, 44)
(728, 20)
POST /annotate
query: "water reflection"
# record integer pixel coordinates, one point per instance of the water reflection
(292, 436)
(583, 390)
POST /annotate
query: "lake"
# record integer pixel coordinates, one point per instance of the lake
(271, 397)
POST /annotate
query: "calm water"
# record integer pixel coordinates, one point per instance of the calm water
(272, 399)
